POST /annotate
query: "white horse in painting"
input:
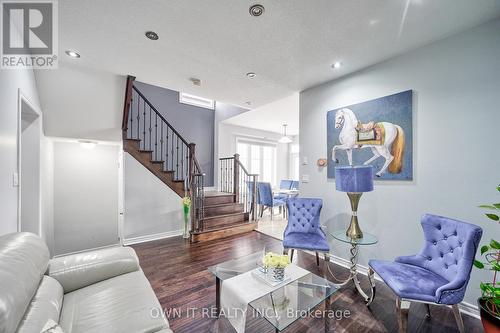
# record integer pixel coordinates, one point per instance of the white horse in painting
(392, 149)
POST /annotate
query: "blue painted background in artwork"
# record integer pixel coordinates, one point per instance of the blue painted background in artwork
(396, 109)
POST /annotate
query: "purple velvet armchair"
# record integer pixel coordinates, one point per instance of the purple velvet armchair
(303, 230)
(439, 273)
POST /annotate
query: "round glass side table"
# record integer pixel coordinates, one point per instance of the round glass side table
(368, 239)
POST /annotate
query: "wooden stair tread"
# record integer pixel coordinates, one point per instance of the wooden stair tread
(217, 194)
(158, 162)
(136, 140)
(145, 151)
(223, 205)
(224, 227)
(222, 216)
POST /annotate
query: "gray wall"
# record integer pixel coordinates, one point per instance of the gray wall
(195, 124)
(85, 196)
(456, 161)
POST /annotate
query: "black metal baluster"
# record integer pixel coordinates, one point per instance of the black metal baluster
(150, 129)
(131, 110)
(138, 118)
(144, 123)
(166, 152)
(156, 137)
(172, 153)
(177, 158)
(161, 141)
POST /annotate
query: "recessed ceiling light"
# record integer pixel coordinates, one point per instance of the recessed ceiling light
(152, 35)
(257, 10)
(72, 54)
(251, 75)
(336, 65)
(195, 81)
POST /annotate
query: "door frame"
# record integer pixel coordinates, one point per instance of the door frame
(23, 97)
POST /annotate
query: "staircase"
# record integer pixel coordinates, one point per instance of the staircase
(154, 142)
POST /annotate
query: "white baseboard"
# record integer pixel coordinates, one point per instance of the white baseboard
(466, 308)
(149, 238)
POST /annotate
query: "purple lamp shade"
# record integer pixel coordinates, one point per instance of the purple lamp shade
(354, 178)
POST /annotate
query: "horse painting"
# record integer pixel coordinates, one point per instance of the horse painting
(390, 146)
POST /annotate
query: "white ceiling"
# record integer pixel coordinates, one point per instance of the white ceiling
(272, 116)
(291, 47)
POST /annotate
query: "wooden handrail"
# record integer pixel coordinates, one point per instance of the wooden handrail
(126, 104)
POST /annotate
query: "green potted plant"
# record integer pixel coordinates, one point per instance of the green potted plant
(489, 302)
(186, 206)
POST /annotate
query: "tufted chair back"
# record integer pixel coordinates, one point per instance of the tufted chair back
(303, 215)
(449, 250)
(265, 194)
(286, 184)
(249, 197)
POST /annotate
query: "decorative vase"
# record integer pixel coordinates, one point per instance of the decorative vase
(278, 273)
(491, 322)
(187, 222)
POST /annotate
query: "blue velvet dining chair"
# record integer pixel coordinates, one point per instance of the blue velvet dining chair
(266, 200)
(285, 184)
(439, 274)
(249, 197)
(303, 231)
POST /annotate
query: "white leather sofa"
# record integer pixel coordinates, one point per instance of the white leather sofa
(101, 291)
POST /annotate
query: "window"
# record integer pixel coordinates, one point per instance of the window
(197, 101)
(258, 157)
(294, 161)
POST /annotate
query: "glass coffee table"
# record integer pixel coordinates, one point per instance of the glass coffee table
(288, 302)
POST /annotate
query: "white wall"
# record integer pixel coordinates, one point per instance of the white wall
(47, 192)
(227, 145)
(152, 209)
(85, 196)
(10, 82)
(456, 116)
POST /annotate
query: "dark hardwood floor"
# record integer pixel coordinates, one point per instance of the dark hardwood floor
(178, 273)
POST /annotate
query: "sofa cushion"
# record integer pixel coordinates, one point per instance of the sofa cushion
(125, 303)
(23, 262)
(79, 270)
(45, 306)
